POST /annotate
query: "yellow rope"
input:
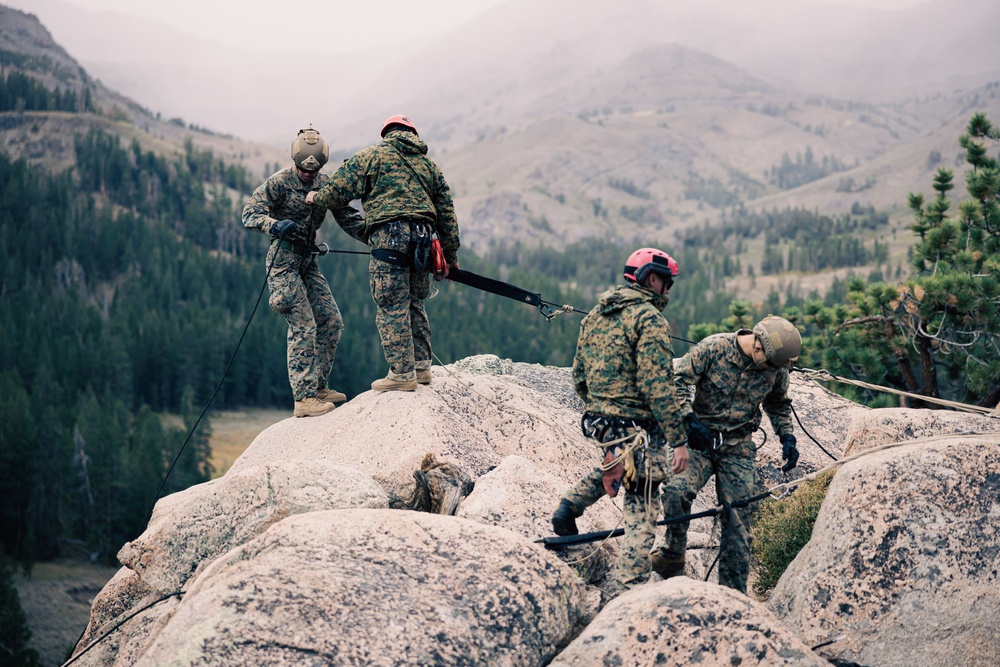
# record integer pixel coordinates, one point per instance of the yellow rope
(827, 376)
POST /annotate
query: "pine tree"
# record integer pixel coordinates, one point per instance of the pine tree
(938, 333)
(14, 631)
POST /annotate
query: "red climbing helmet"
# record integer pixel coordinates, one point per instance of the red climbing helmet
(644, 260)
(398, 119)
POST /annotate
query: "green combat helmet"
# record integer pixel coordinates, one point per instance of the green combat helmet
(780, 339)
(309, 151)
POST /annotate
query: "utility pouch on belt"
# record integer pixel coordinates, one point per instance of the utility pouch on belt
(612, 479)
(624, 473)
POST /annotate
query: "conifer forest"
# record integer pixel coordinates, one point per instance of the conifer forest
(129, 279)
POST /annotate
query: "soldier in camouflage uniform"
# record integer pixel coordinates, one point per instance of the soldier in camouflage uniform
(623, 372)
(298, 289)
(406, 199)
(733, 375)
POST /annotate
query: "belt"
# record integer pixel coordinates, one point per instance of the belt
(720, 438)
(297, 249)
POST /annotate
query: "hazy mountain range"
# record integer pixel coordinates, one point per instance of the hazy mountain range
(559, 120)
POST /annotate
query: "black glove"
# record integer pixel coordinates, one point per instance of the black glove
(699, 437)
(788, 452)
(283, 229)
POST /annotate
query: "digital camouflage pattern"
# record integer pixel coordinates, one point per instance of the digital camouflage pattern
(624, 362)
(395, 179)
(402, 191)
(639, 515)
(283, 197)
(729, 390)
(399, 292)
(301, 293)
(298, 290)
(623, 368)
(735, 478)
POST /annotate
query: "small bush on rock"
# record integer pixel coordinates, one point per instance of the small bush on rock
(781, 528)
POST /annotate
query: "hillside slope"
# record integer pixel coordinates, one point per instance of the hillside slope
(46, 137)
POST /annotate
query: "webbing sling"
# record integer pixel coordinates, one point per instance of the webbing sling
(495, 287)
(390, 256)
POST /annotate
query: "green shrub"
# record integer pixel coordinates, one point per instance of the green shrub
(781, 528)
(14, 632)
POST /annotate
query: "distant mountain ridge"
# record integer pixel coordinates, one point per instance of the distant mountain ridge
(561, 121)
(46, 137)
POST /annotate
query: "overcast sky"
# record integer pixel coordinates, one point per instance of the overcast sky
(331, 26)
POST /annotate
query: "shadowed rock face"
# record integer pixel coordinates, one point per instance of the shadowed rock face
(686, 622)
(904, 558)
(375, 587)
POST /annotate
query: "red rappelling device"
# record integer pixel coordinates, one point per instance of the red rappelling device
(439, 267)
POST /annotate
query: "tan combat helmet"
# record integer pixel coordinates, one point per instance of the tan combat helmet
(309, 151)
(780, 339)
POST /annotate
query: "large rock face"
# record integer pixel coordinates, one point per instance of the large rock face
(686, 622)
(874, 428)
(304, 553)
(476, 415)
(190, 529)
(904, 558)
(374, 587)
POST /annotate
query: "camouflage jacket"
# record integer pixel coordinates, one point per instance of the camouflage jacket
(729, 389)
(624, 362)
(283, 196)
(395, 179)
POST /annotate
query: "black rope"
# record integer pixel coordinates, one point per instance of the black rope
(321, 251)
(827, 643)
(190, 434)
(561, 542)
(727, 520)
(810, 434)
(118, 625)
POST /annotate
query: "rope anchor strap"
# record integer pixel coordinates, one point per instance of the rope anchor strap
(495, 287)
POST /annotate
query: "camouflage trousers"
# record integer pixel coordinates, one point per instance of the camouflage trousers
(639, 517)
(733, 467)
(399, 293)
(641, 509)
(301, 293)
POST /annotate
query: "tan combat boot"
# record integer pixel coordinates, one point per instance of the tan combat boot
(423, 372)
(397, 382)
(665, 566)
(310, 406)
(331, 395)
